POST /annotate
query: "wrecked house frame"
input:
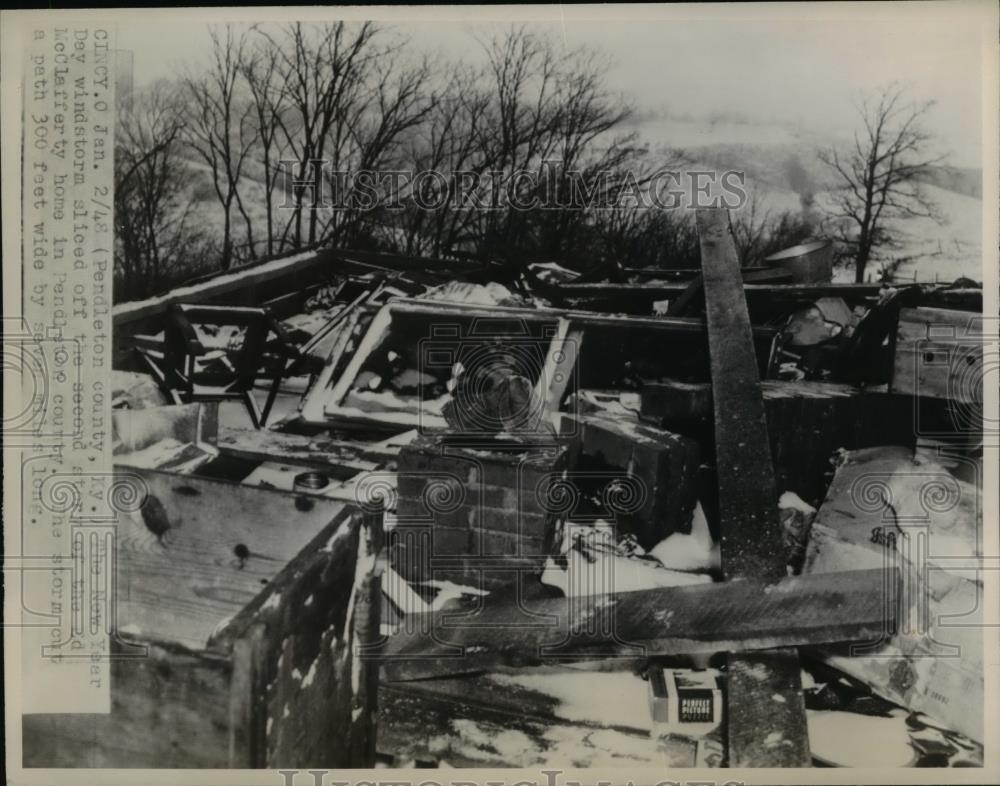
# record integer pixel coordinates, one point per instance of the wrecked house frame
(554, 524)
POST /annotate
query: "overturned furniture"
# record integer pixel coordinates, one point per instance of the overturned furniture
(217, 353)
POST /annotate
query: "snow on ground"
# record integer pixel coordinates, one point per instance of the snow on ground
(603, 698)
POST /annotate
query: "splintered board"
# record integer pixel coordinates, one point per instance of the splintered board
(630, 626)
(751, 542)
(199, 549)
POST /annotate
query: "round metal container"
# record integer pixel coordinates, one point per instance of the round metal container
(808, 263)
(310, 481)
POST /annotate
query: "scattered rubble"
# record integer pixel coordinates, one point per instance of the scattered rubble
(714, 465)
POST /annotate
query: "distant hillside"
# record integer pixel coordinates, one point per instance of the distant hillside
(787, 174)
(778, 156)
(961, 180)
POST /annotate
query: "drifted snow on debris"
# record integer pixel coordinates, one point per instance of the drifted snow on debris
(491, 294)
(601, 698)
(553, 745)
(170, 454)
(592, 564)
(449, 591)
(849, 739)
(695, 551)
(792, 501)
(796, 522)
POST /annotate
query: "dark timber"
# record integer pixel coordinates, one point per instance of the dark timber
(762, 731)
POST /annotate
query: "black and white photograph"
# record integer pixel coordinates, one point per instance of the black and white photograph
(592, 393)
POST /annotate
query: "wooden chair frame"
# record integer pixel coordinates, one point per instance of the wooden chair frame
(173, 361)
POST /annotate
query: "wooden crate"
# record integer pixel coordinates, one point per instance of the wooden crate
(231, 657)
(939, 354)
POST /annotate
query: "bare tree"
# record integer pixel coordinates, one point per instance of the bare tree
(323, 68)
(267, 95)
(394, 100)
(881, 176)
(221, 129)
(448, 141)
(154, 241)
(535, 126)
(759, 232)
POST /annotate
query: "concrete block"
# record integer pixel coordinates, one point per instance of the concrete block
(657, 488)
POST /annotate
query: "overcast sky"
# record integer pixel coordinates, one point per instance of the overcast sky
(765, 65)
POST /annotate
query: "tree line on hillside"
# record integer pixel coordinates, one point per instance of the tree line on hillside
(250, 126)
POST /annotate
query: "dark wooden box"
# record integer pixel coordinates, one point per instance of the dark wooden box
(240, 612)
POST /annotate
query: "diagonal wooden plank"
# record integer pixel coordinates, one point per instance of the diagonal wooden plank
(665, 621)
(751, 530)
(762, 731)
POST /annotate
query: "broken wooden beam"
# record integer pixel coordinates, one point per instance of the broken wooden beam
(763, 298)
(751, 533)
(685, 620)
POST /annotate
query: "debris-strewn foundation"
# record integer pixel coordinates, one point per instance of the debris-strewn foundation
(709, 517)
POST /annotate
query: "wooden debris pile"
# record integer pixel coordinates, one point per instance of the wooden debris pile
(716, 489)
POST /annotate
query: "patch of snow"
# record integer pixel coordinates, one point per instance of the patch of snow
(792, 501)
(772, 739)
(850, 739)
(398, 590)
(510, 745)
(311, 674)
(272, 602)
(605, 698)
(491, 294)
(222, 624)
(448, 591)
(695, 551)
(598, 573)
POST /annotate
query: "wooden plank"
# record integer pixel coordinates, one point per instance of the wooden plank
(345, 458)
(939, 354)
(751, 530)
(693, 293)
(694, 619)
(751, 534)
(246, 732)
(181, 571)
(327, 401)
(314, 700)
(766, 714)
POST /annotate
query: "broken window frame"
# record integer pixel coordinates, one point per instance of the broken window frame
(324, 403)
